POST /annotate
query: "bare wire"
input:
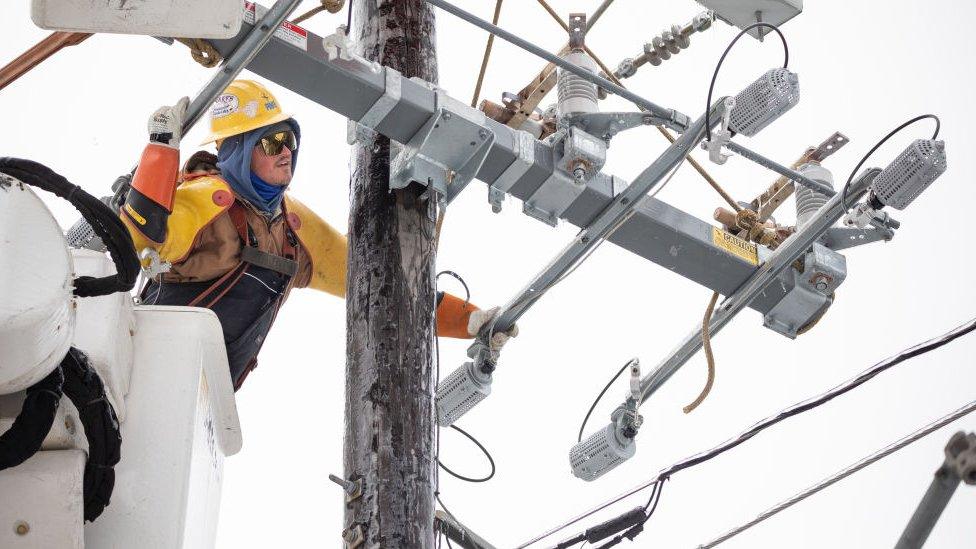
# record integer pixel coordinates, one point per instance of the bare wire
(845, 472)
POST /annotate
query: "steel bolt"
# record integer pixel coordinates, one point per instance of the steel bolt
(579, 174)
(21, 528)
(822, 286)
(483, 134)
(447, 115)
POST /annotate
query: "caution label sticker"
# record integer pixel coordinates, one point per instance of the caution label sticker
(736, 246)
(292, 34)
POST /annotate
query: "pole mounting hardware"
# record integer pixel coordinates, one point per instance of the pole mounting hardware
(352, 488)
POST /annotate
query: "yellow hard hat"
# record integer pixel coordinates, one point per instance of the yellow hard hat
(244, 106)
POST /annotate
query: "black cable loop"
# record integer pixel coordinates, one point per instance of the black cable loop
(579, 437)
(483, 449)
(104, 222)
(467, 292)
(711, 87)
(847, 185)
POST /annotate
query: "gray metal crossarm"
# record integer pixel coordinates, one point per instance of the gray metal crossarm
(608, 220)
(781, 259)
(516, 163)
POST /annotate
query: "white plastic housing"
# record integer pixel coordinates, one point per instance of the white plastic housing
(37, 315)
(174, 18)
(42, 502)
(105, 329)
(181, 422)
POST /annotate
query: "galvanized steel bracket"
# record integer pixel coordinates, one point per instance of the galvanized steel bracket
(447, 152)
(379, 110)
(811, 293)
(524, 145)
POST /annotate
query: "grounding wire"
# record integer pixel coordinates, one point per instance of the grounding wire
(846, 472)
(711, 87)
(938, 126)
(598, 397)
(796, 409)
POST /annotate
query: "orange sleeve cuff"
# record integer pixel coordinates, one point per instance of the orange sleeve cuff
(157, 173)
(452, 317)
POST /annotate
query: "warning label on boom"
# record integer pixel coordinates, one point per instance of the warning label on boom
(736, 246)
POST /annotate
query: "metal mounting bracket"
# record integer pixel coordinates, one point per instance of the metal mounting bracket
(448, 150)
(842, 238)
(377, 113)
(524, 146)
(606, 125)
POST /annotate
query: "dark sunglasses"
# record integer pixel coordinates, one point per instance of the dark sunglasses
(272, 143)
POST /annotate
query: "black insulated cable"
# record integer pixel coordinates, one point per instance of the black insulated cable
(796, 409)
(102, 219)
(87, 392)
(711, 87)
(34, 421)
(483, 450)
(589, 412)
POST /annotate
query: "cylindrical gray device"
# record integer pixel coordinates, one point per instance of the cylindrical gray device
(459, 392)
(808, 201)
(576, 95)
(601, 452)
(764, 101)
(910, 173)
(81, 234)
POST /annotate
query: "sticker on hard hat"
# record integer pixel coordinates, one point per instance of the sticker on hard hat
(251, 109)
(224, 105)
(736, 246)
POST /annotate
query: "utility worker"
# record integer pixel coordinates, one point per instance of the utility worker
(236, 240)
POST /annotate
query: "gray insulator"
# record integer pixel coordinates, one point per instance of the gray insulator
(600, 452)
(577, 95)
(910, 173)
(764, 101)
(808, 201)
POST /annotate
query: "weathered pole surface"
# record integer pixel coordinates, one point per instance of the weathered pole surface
(389, 440)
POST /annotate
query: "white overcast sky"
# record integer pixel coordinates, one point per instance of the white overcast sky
(864, 68)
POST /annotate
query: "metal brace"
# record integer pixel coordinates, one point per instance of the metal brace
(721, 137)
(382, 108)
(524, 159)
(447, 152)
(606, 125)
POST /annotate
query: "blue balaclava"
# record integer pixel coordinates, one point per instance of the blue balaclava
(234, 163)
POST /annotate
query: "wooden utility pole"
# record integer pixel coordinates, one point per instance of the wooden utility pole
(390, 381)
